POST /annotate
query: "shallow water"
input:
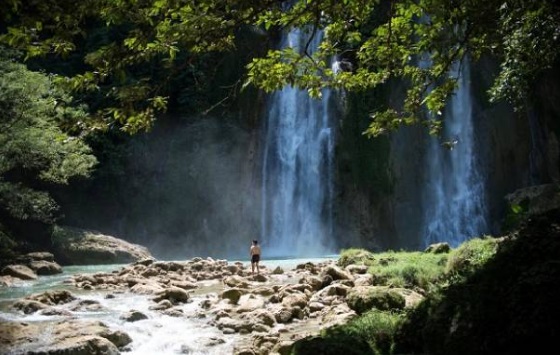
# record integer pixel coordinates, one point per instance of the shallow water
(159, 334)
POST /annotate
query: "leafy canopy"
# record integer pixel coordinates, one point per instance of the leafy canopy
(34, 151)
(415, 42)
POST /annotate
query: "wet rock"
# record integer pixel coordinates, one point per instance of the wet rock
(185, 285)
(283, 347)
(29, 306)
(249, 302)
(315, 306)
(235, 324)
(438, 248)
(74, 337)
(334, 290)
(260, 278)
(19, 271)
(339, 314)
(133, 316)
(213, 341)
(236, 281)
(412, 298)
(326, 280)
(55, 312)
(162, 305)
(278, 271)
(173, 294)
(295, 299)
(232, 268)
(40, 255)
(82, 247)
(146, 289)
(119, 338)
(6, 281)
(364, 280)
(42, 267)
(244, 351)
(84, 345)
(263, 291)
(356, 269)
(174, 312)
(283, 315)
(261, 316)
(52, 298)
(337, 273)
(315, 282)
(88, 305)
(146, 261)
(232, 294)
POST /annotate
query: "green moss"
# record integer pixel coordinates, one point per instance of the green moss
(363, 299)
(471, 256)
(361, 160)
(408, 269)
(356, 256)
(378, 328)
(331, 345)
(372, 333)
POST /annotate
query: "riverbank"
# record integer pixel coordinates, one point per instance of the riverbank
(197, 306)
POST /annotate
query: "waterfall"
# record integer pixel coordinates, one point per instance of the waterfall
(297, 186)
(454, 193)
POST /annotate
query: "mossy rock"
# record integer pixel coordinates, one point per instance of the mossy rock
(315, 345)
(363, 298)
(355, 256)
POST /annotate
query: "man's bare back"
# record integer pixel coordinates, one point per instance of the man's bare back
(255, 253)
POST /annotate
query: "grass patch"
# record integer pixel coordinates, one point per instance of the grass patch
(399, 269)
(373, 333)
(471, 256)
(377, 328)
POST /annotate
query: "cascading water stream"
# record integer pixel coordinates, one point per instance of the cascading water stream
(297, 172)
(454, 194)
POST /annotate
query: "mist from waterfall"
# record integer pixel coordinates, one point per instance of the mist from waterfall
(297, 189)
(454, 198)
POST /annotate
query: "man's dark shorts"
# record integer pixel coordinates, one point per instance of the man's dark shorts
(255, 258)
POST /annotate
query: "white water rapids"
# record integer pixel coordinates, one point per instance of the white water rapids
(159, 334)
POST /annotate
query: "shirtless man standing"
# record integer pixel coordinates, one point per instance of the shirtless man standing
(255, 253)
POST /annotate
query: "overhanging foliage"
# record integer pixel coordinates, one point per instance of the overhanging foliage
(413, 41)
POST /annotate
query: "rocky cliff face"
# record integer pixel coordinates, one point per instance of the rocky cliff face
(515, 150)
(193, 186)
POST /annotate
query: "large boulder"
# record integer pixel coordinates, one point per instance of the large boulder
(363, 298)
(74, 246)
(330, 346)
(536, 199)
(19, 271)
(66, 337)
(82, 345)
(43, 267)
